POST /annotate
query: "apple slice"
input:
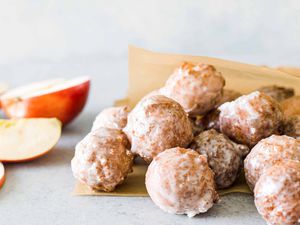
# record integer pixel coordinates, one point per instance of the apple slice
(2, 175)
(63, 99)
(27, 139)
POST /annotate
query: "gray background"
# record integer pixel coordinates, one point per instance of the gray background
(46, 39)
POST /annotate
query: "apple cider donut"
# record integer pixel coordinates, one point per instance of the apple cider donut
(291, 106)
(197, 125)
(101, 159)
(277, 194)
(292, 127)
(228, 96)
(277, 92)
(211, 119)
(224, 157)
(179, 181)
(112, 117)
(207, 122)
(155, 124)
(250, 118)
(267, 153)
(198, 88)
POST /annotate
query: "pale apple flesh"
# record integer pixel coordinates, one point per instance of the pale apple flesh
(63, 99)
(2, 175)
(27, 139)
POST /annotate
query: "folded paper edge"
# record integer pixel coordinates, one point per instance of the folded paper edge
(281, 70)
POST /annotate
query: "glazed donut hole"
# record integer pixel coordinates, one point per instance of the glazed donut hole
(228, 96)
(194, 134)
(113, 117)
(292, 127)
(224, 157)
(155, 124)
(291, 106)
(250, 118)
(279, 93)
(179, 181)
(197, 125)
(267, 153)
(206, 122)
(197, 88)
(211, 119)
(102, 160)
(277, 193)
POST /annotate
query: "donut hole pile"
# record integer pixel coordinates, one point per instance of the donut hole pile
(195, 136)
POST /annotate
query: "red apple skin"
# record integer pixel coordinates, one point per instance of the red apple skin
(64, 104)
(2, 180)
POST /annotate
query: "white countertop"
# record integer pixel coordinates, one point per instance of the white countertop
(40, 192)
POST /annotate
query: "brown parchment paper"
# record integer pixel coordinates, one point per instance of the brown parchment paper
(291, 70)
(149, 70)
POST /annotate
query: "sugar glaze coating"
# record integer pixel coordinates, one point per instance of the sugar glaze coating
(267, 153)
(102, 160)
(250, 118)
(179, 181)
(198, 88)
(224, 156)
(113, 117)
(277, 194)
(155, 124)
